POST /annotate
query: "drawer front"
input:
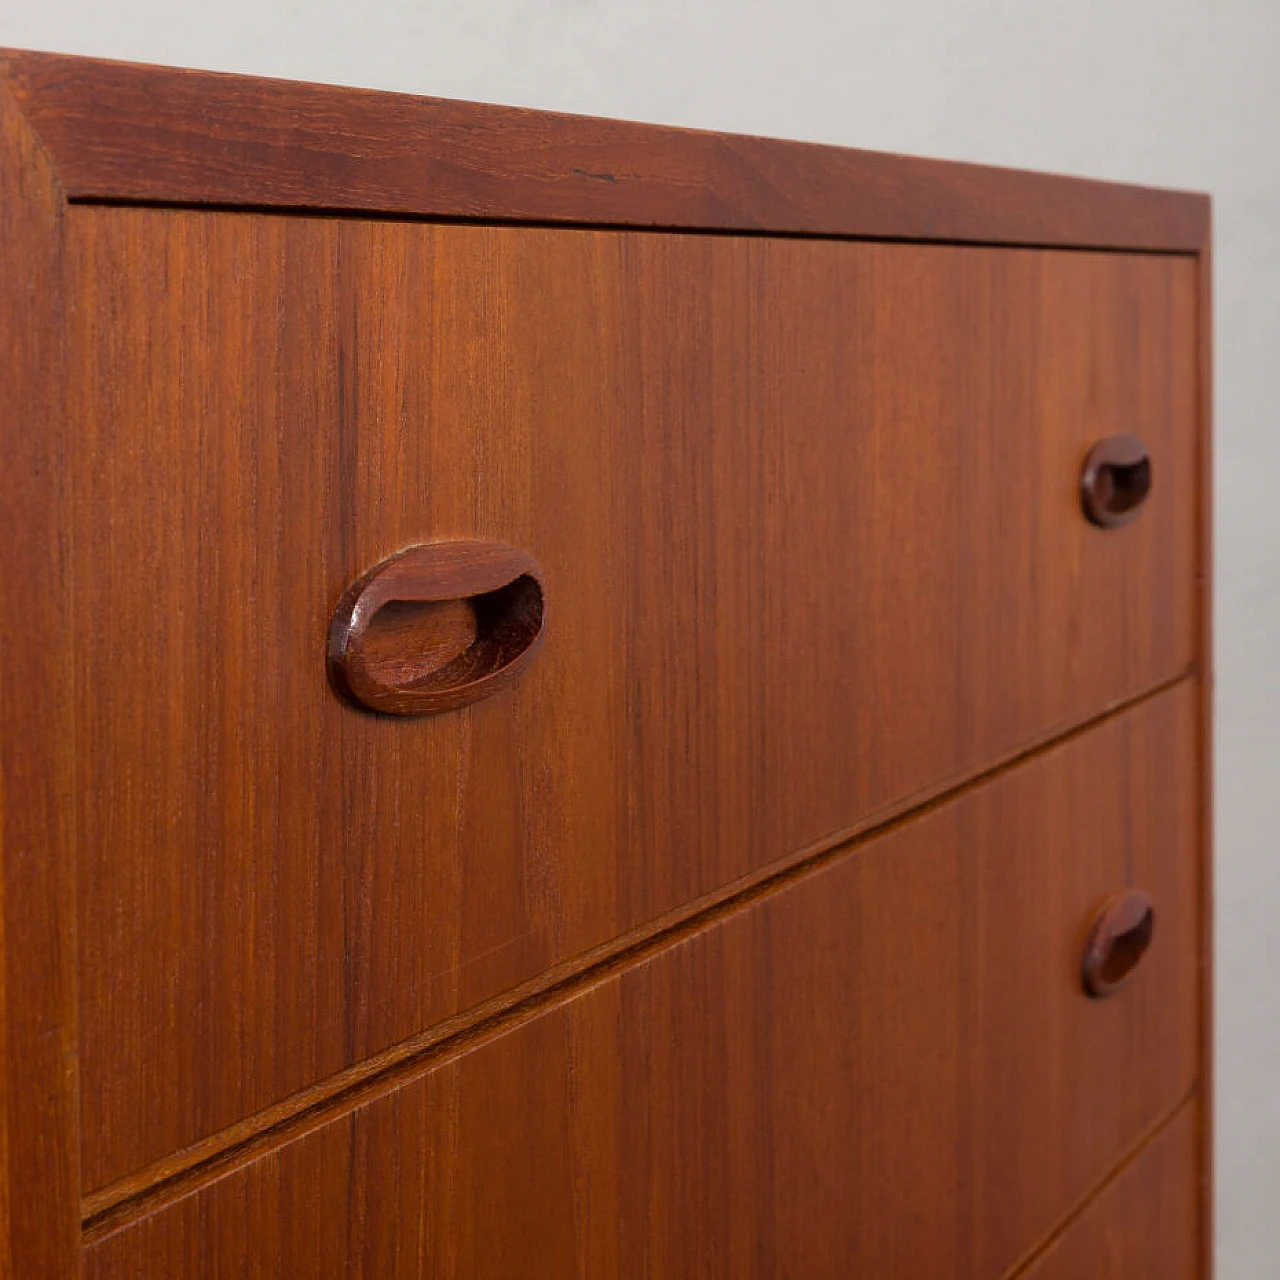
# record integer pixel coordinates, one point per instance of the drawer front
(807, 519)
(1145, 1225)
(887, 1067)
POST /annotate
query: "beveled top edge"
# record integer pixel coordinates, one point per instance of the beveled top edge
(125, 132)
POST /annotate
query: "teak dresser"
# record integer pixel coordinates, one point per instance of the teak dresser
(585, 700)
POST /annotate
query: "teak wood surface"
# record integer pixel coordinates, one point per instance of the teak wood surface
(807, 511)
(118, 132)
(886, 1068)
(1144, 1226)
(808, 521)
(39, 1096)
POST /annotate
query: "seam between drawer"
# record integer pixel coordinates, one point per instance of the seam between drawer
(517, 223)
(1100, 1188)
(114, 1206)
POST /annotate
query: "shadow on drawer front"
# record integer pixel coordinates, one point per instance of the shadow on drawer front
(809, 522)
(887, 1068)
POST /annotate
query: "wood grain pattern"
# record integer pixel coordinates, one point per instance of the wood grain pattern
(809, 504)
(39, 1172)
(122, 132)
(887, 1068)
(1145, 1225)
(808, 513)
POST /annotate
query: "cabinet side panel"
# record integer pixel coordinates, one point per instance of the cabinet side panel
(39, 1191)
(1204, 355)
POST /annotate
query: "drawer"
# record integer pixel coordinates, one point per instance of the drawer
(887, 1067)
(1146, 1225)
(807, 519)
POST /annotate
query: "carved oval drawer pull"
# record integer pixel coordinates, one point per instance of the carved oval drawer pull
(1118, 939)
(1115, 481)
(436, 627)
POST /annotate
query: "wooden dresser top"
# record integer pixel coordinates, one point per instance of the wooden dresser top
(153, 135)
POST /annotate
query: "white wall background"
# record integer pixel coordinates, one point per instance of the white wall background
(1181, 93)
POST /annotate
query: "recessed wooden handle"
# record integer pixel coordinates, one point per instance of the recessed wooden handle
(1115, 481)
(436, 627)
(1118, 939)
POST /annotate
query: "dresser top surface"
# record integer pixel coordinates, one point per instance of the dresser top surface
(124, 132)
